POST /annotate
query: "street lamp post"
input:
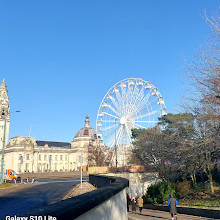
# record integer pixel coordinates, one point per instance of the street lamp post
(6, 113)
(116, 159)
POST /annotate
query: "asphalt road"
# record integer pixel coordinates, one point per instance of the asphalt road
(43, 192)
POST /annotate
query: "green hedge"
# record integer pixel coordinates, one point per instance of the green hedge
(158, 193)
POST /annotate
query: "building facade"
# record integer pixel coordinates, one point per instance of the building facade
(26, 154)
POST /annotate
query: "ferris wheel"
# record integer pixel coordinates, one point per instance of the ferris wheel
(130, 103)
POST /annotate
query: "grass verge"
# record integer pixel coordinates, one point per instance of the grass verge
(202, 203)
(6, 185)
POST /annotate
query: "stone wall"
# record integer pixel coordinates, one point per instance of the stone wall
(113, 208)
(138, 182)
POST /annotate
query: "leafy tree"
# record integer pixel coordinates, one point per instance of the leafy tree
(135, 132)
(151, 148)
(180, 131)
(179, 125)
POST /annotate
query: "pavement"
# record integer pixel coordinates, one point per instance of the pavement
(148, 214)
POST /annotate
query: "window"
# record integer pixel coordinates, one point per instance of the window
(50, 158)
(21, 158)
(56, 157)
(39, 156)
(45, 157)
(27, 157)
(66, 158)
(61, 157)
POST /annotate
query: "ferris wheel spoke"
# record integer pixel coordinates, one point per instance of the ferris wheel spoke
(138, 101)
(124, 136)
(123, 97)
(126, 99)
(153, 102)
(129, 92)
(110, 115)
(143, 103)
(133, 92)
(109, 134)
(119, 98)
(147, 121)
(116, 104)
(128, 133)
(148, 104)
(119, 134)
(148, 114)
(110, 107)
(132, 108)
(140, 95)
(104, 129)
(108, 121)
(140, 126)
(115, 138)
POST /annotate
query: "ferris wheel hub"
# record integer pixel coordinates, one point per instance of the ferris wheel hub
(123, 120)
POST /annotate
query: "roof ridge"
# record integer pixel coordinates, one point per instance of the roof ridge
(54, 141)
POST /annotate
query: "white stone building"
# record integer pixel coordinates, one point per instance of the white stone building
(26, 154)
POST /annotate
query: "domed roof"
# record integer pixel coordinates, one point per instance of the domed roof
(87, 131)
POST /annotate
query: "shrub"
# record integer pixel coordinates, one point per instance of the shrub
(158, 193)
(183, 189)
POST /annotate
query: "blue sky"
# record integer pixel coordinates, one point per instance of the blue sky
(59, 58)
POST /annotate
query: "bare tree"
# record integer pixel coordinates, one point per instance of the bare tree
(99, 155)
(204, 74)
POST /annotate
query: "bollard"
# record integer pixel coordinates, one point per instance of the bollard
(32, 181)
(27, 180)
(15, 181)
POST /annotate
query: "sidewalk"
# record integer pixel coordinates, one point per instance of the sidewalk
(149, 214)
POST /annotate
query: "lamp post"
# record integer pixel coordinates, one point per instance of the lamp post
(6, 113)
(116, 159)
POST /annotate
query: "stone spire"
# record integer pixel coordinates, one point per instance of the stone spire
(3, 83)
(87, 122)
(4, 101)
